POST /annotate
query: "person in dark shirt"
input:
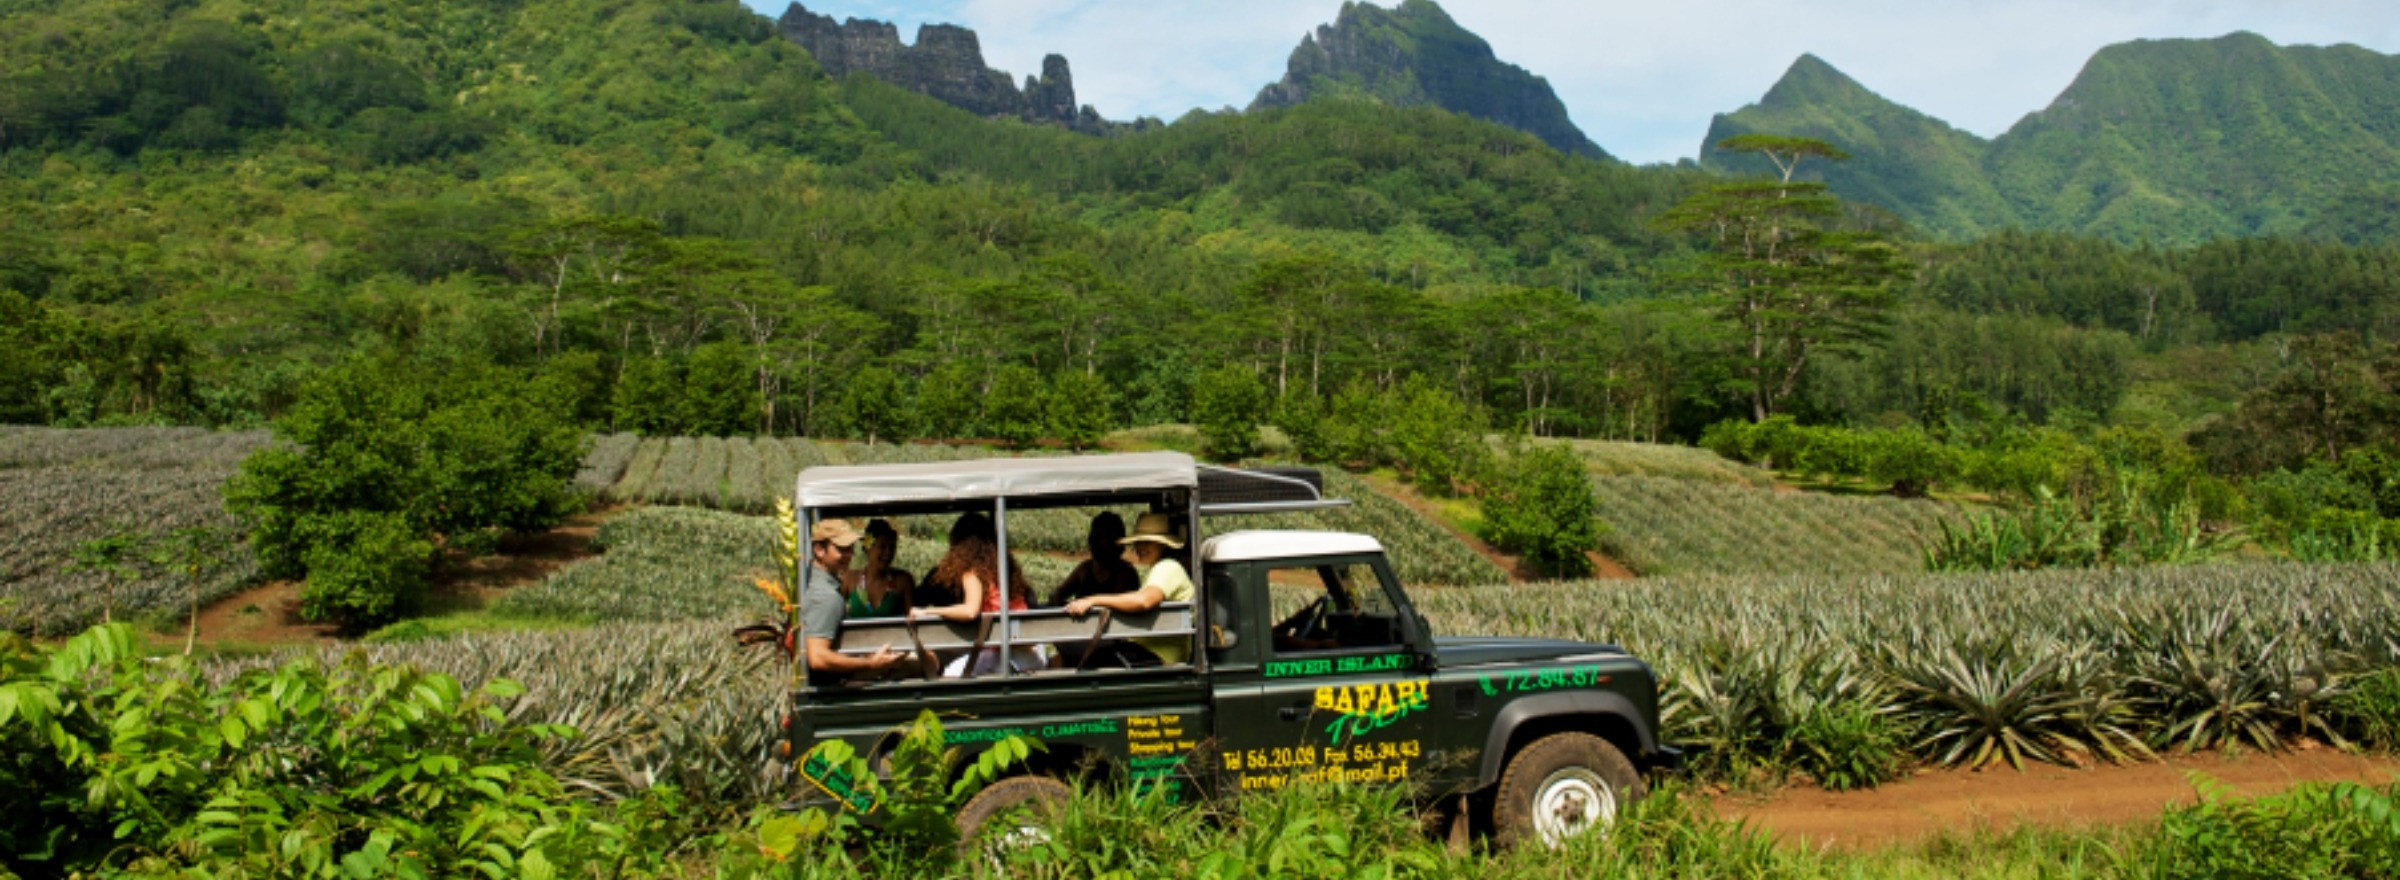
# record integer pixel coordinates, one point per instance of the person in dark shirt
(1106, 572)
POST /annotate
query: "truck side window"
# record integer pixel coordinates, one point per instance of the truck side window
(1330, 608)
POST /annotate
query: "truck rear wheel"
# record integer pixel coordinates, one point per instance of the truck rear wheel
(1012, 812)
(1561, 786)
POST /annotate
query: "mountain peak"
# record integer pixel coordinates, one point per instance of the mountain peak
(946, 62)
(1415, 55)
(1811, 80)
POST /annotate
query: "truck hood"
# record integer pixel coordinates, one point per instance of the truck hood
(1454, 653)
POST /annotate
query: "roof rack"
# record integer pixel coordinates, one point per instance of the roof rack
(1226, 490)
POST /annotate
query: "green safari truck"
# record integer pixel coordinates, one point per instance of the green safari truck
(1309, 663)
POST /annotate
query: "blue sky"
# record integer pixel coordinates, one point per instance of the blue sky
(1641, 77)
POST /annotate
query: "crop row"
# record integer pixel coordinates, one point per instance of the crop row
(737, 473)
(1665, 525)
(126, 448)
(1617, 458)
(61, 489)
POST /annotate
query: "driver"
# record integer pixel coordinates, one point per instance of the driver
(1163, 580)
(1288, 633)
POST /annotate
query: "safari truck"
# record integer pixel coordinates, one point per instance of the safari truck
(1310, 664)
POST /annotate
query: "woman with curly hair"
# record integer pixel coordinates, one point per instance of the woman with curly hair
(974, 565)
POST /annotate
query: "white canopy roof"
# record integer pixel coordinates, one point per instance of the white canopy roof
(1239, 546)
(867, 485)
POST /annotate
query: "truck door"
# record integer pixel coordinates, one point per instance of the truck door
(1338, 693)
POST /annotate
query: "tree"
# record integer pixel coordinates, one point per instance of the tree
(1785, 285)
(582, 262)
(1080, 408)
(1300, 414)
(874, 405)
(2335, 394)
(117, 556)
(1227, 404)
(192, 552)
(647, 398)
(384, 456)
(1539, 503)
(950, 400)
(718, 397)
(1014, 408)
(1436, 438)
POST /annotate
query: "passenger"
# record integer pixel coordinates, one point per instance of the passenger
(1163, 580)
(830, 546)
(880, 590)
(974, 564)
(931, 590)
(1106, 572)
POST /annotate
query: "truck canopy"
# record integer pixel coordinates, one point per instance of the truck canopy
(1167, 479)
(1088, 480)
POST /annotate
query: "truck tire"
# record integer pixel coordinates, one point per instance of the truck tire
(1560, 786)
(1011, 812)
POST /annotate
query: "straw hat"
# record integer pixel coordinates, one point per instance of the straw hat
(834, 531)
(1156, 527)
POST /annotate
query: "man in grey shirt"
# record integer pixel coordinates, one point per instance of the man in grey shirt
(821, 604)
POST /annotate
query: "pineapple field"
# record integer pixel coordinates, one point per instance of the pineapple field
(1619, 458)
(1661, 525)
(65, 489)
(1847, 678)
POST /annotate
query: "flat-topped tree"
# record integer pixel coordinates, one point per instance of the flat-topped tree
(1786, 280)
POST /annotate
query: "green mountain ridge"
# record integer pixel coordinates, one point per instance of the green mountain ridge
(2175, 141)
(1415, 55)
(1902, 160)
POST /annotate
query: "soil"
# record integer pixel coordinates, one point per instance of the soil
(1603, 567)
(1952, 801)
(269, 614)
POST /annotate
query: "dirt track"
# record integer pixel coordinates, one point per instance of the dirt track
(1953, 800)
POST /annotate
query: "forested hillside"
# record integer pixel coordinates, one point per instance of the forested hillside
(2174, 141)
(673, 215)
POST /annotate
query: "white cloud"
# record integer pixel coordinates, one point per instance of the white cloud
(1641, 77)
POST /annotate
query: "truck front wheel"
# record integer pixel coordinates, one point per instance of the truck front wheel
(1012, 812)
(1560, 786)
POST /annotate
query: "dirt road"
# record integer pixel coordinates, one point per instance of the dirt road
(1954, 800)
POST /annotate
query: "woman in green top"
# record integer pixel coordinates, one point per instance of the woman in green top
(880, 590)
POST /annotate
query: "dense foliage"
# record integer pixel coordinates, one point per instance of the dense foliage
(1539, 503)
(120, 764)
(381, 458)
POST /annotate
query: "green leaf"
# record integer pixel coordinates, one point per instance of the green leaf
(235, 733)
(535, 866)
(506, 689)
